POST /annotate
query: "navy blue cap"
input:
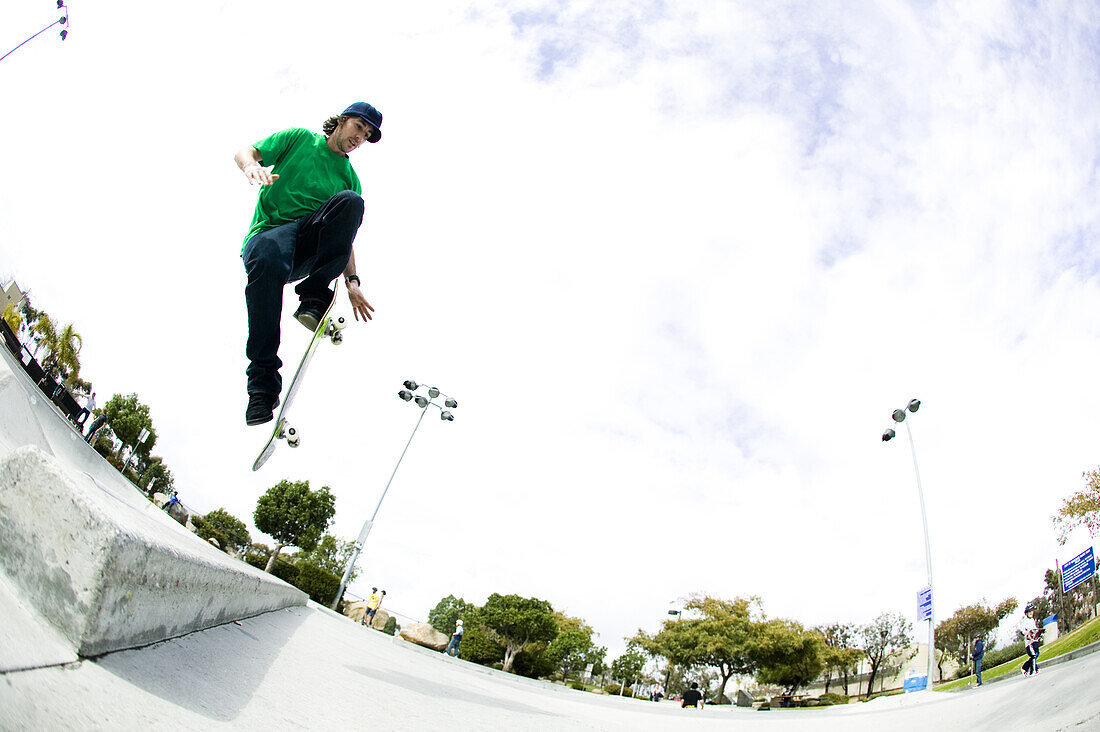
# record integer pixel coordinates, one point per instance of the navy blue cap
(368, 113)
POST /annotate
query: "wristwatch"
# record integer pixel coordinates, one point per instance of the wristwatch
(349, 278)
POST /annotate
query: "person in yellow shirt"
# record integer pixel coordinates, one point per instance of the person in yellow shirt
(372, 604)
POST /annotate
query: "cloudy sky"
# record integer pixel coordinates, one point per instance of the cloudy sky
(678, 262)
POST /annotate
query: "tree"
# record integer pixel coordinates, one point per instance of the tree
(447, 612)
(127, 417)
(573, 648)
(332, 555)
(1080, 509)
(954, 635)
(627, 668)
(30, 315)
(515, 621)
(720, 636)
(479, 644)
(788, 654)
(840, 654)
(294, 515)
(42, 332)
(1073, 607)
(63, 354)
(12, 317)
(234, 530)
(883, 638)
(157, 476)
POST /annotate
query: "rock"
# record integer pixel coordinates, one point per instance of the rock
(179, 513)
(380, 618)
(355, 610)
(744, 699)
(425, 635)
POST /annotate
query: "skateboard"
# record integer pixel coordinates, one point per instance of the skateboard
(328, 327)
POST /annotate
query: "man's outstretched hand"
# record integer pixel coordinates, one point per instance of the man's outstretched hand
(359, 304)
(259, 175)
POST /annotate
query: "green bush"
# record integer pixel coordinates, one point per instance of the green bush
(830, 699)
(577, 685)
(283, 568)
(390, 628)
(1002, 655)
(614, 689)
(320, 584)
(206, 531)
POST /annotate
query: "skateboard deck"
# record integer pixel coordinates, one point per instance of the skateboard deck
(327, 327)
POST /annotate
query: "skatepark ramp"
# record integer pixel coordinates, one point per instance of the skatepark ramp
(92, 566)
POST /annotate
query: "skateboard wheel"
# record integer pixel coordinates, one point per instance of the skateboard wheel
(340, 323)
(337, 338)
(292, 437)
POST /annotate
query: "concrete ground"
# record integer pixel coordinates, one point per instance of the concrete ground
(309, 668)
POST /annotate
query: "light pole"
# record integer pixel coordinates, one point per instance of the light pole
(63, 20)
(668, 671)
(899, 416)
(407, 394)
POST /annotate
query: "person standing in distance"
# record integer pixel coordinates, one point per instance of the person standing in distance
(976, 654)
(456, 638)
(307, 214)
(373, 602)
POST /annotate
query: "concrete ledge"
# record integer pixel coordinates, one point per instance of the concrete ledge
(106, 574)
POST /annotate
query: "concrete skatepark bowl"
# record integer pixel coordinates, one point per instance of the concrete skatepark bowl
(112, 616)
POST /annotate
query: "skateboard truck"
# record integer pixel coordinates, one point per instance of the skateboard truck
(332, 332)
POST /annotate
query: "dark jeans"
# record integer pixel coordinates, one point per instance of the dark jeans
(94, 427)
(978, 668)
(453, 646)
(1031, 665)
(317, 248)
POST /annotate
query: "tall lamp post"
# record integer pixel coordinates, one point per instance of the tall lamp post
(63, 20)
(408, 394)
(668, 672)
(899, 416)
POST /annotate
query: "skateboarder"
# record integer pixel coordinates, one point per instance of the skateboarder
(307, 214)
(1033, 634)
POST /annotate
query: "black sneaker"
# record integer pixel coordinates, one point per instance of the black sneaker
(310, 312)
(261, 408)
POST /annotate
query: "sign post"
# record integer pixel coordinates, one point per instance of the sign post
(924, 614)
(1079, 569)
(924, 604)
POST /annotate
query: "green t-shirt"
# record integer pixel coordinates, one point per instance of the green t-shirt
(309, 173)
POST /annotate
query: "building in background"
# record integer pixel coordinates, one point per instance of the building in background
(10, 294)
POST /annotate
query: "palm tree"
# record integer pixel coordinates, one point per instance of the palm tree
(63, 354)
(42, 333)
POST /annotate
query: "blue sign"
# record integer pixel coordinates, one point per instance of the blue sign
(924, 604)
(915, 683)
(1079, 569)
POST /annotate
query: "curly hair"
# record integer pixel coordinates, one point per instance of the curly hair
(332, 123)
